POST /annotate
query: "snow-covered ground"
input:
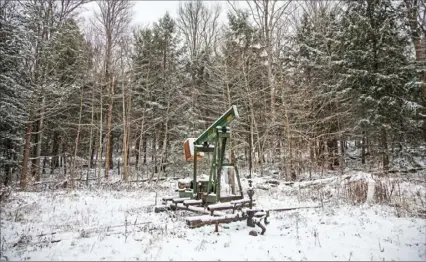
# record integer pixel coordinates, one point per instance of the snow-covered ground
(121, 225)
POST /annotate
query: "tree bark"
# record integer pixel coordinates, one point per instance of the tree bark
(99, 152)
(55, 152)
(23, 177)
(109, 143)
(385, 156)
(39, 141)
(77, 138)
(137, 152)
(144, 146)
(154, 154)
(363, 148)
(125, 140)
(92, 139)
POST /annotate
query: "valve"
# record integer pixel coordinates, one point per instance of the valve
(254, 218)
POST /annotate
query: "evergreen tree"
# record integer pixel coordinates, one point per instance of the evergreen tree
(159, 98)
(13, 47)
(316, 59)
(377, 71)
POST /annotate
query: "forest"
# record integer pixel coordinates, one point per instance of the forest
(310, 79)
(97, 104)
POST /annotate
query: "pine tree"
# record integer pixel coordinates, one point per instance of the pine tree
(316, 64)
(377, 70)
(159, 98)
(13, 90)
(167, 90)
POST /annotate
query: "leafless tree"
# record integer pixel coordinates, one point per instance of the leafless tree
(113, 20)
(199, 26)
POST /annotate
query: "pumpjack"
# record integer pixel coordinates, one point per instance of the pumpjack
(212, 141)
(203, 195)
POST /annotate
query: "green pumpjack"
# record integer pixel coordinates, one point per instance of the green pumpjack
(214, 141)
(204, 195)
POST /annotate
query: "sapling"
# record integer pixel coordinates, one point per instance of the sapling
(297, 227)
(316, 235)
(125, 228)
(201, 246)
(380, 247)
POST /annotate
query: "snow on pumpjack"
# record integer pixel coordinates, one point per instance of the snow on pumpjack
(203, 195)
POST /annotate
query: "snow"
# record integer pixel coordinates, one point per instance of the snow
(259, 214)
(90, 225)
(220, 205)
(244, 200)
(361, 176)
(207, 218)
(185, 180)
(191, 201)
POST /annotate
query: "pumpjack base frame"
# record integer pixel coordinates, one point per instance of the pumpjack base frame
(214, 213)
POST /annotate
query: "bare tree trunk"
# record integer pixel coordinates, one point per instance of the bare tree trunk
(91, 139)
(154, 154)
(363, 147)
(108, 155)
(125, 139)
(33, 152)
(77, 138)
(99, 154)
(253, 124)
(321, 151)
(55, 152)
(24, 171)
(290, 170)
(384, 142)
(332, 153)
(64, 156)
(145, 148)
(165, 140)
(141, 144)
(267, 22)
(114, 18)
(137, 152)
(342, 155)
(39, 141)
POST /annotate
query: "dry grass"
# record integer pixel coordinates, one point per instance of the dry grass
(384, 191)
(408, 197)
(356, 192)
(387, 191)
